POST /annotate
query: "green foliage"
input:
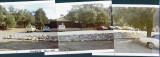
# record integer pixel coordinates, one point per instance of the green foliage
(40, 18)
(9, 20)
(139, 18)
(89, 14)
(22, 18)
(1, 18)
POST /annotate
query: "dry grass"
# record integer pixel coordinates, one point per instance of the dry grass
(11, 30)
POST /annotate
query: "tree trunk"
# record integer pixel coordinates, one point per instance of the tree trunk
(149, 31)
(24, 25)
(84, 25)
(6, 25)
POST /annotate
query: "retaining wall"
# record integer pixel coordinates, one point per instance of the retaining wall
(81, 37)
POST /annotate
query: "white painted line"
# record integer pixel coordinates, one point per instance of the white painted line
(124, 54)
(7, 52)
(80, 52)
(91, 51)
(55, 53)
(23, 51)
(29, 51)
(103, 54)
(135, 54)
(103, 50)
(44, 50)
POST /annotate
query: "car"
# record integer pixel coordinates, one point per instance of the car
(151, 42)
(61, 28)
(111, 27)
(117, 28)
(30, 28)
(46, 29)
(125, 28)
(102, 28)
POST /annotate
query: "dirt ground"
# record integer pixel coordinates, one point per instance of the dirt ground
(6, 44)
(86, 45)
(132, 46)
(11, 30)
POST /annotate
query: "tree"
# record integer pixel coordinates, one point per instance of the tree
(19, 17)
(102, 16)
(140, 18)
(9, 20)
(1, 18)
(15, 17)
(29, 19)
(40, 18)
(89, 14)
(73, 16)
(1, 15)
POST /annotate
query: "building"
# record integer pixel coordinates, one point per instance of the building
(59, 21)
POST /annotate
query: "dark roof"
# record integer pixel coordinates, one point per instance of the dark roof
(61, 19)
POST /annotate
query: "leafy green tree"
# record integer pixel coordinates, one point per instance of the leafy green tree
(102, 16)
(139, 18)
(15, 17)
(73, 16)
(1, 15)
(29, 19)
(1, 18)
(9, 20)
(11, 9)
(40, 18)
(89, 14)
(19, 17)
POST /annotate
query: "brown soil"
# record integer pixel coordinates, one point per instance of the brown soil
(11, 30)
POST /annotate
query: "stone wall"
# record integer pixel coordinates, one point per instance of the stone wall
(33, 37)
(86, 37)
(129, 34)
(81, 37)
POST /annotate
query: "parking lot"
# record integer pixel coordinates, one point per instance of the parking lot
(86, 45)
(132, 46)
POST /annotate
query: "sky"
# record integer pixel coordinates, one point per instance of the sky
(64, 8)
(48, 6)
(51, 9)
(54, 11)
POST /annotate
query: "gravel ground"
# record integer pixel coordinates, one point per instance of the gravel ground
(6, 45)
(132, 46)
(86, 45)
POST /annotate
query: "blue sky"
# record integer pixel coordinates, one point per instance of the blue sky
(48, 7)
(51, 9)
(64, 8)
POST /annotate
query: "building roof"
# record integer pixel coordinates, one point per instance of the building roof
(61, 19)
